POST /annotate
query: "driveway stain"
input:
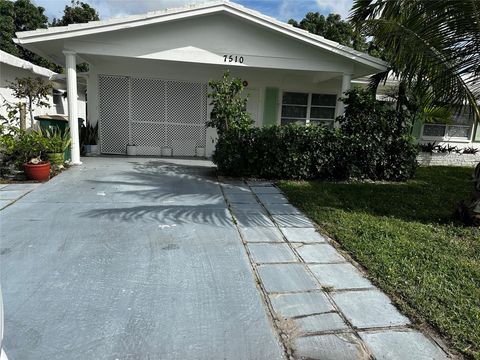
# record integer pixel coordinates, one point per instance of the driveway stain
(171, 247)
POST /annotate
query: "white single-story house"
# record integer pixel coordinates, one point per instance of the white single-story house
(148, 74)
(12, 67)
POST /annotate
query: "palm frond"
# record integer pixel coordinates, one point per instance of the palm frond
(435, 114)
(433, 45)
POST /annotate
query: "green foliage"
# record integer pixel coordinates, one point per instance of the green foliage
(433, 46)
(88, 136)
(379, 145)
(403, 235)
(77, 13)
(22, 15)
(34, 90)
(289, 152)
(372, 143)
(7, 28)
(229, 106)
(28, 16)
(20, 146)
(332, 28)
(470, 150)
(55, 141)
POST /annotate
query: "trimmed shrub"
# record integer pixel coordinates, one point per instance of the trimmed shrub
(287, 152)
(377, 140)
(372, 143)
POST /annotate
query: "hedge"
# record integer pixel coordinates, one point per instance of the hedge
(373, 142)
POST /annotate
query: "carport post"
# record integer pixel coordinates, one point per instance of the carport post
(346, 85)
(72, 97)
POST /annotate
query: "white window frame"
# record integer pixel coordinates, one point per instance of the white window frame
(446, 137)
(309, 105)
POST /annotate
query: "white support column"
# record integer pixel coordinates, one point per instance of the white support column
(346, 85)
(72, 98)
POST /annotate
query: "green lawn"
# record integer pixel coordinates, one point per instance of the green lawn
(404, 235)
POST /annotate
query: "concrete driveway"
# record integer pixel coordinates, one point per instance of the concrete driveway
(130, 259)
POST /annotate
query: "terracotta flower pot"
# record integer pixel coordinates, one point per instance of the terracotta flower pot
(38, 172)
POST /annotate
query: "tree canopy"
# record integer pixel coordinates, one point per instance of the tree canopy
(332, 28)
(76, 13)
(21, 15)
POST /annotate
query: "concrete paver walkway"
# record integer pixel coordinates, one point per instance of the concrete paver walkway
(323, 306)
(9, 193)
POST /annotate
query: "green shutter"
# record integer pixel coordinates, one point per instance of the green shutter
(270, 106)
(417, 129)
(476, 137)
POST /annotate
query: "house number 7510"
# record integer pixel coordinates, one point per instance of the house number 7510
(233, 58)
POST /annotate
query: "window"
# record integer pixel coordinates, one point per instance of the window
(460, 128)
(58, 101)
(305, 108)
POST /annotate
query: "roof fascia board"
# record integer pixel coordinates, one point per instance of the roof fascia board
(26, 37)
(17, 62)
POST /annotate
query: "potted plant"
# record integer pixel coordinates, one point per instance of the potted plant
(37, 169)
(30, 152)
(131, 150)
(89, 138)
(56, 145)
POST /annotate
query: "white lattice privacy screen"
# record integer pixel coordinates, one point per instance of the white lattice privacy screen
(152, 114)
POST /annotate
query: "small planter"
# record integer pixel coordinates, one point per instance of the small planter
(131, 150)
(38, 172)
(56, 158)
(200, 152)
(166, 151)
(91, 149)
(94, 149)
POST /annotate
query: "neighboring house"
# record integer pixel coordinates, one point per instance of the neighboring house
(12, 67)
(462, 130)
(148, 77)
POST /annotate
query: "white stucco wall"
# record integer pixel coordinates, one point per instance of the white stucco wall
(8, 74)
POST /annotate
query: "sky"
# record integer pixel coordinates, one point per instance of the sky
(281, 9)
